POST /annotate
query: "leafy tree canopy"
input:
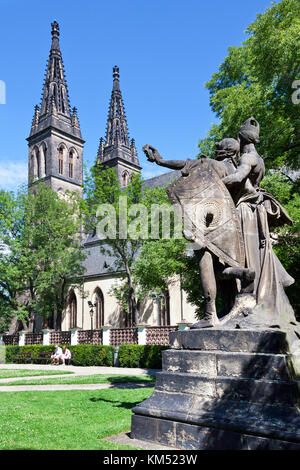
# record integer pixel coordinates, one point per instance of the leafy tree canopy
(41, 252)
(256, 79)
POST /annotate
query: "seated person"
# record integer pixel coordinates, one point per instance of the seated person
(66, 355)
(55, 357)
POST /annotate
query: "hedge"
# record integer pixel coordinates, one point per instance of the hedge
(82, 354)
(136, 355)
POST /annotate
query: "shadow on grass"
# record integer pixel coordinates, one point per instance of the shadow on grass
(118, 404)
(119, 379)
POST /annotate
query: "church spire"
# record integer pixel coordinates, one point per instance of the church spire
(116, 150)
(55, 142)
(116, 131)
(55, 85)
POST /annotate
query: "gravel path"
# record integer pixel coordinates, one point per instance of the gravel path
(78, 371)
(56, 388)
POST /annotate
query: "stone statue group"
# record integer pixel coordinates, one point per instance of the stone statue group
(230, 217)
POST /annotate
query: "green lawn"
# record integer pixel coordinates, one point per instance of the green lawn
(68, 420)
(10, 373)
(87, 379)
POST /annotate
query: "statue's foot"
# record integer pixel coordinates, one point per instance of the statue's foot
(205, 323)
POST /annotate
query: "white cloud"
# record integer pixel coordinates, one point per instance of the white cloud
(12, 175)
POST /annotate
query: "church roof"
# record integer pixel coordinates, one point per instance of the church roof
(162, 180)
(96, 263)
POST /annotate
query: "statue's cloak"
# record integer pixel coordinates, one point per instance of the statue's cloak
(208, 211)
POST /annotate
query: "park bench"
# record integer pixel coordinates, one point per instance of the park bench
(44, 356)
(24, 356)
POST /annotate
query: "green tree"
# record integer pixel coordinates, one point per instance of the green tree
(108, 205)
(133, 207)
(158, 263)
(41, 255)
(257, 79)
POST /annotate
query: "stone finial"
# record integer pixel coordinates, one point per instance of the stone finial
(36, 114)
(116, 74)
(55, 28)
(133, 148)
(75, 121)
(100, 152)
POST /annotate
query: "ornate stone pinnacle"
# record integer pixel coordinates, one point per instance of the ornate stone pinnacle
(55, 28)
(116, 72)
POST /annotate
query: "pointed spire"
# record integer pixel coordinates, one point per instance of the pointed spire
(116, 147)
(100, 152)
(55, 85)
(116, 131)
(75, 122)
(35, 120)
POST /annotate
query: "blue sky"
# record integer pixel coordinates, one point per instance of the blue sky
(166, 50)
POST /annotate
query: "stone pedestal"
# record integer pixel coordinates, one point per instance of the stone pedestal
(223, 389)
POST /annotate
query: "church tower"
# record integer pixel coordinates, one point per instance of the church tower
(55, 142)
(117, 151)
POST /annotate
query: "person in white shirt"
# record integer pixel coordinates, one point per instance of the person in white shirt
(56, 355)
(66, 354)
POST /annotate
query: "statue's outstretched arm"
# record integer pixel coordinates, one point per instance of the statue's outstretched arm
(154, 156)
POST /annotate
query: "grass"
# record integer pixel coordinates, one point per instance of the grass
(87, 379)
(10, 373)
(67, 420)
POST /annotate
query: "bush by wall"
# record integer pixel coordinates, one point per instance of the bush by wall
(144, 356)
(82, 354)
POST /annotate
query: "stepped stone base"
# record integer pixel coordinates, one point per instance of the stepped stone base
(223, 389)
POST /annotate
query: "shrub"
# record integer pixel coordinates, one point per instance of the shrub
(144, 356)
(82, 354)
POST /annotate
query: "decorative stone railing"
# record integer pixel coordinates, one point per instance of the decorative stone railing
(158, 334)
(89, 337)
(120, 336)
(33, 338)
(107, 335)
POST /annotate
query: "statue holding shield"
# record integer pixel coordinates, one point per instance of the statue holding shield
(226, 215)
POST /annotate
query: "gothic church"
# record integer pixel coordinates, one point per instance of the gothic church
(56, 157)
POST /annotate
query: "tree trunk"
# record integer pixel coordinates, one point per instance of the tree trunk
(131, 298)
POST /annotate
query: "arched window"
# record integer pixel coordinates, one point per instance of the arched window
(71, 164)
(42, 160)
(125, 178)
(61, 160)
(99, 308)
(73, 309)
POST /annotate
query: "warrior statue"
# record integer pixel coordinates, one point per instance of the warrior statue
(228, 217)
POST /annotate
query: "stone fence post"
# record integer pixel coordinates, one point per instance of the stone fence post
(74, 336)
(1, 340)
(22, 338)
(142, 334)
(46, 337)
(106, 335)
